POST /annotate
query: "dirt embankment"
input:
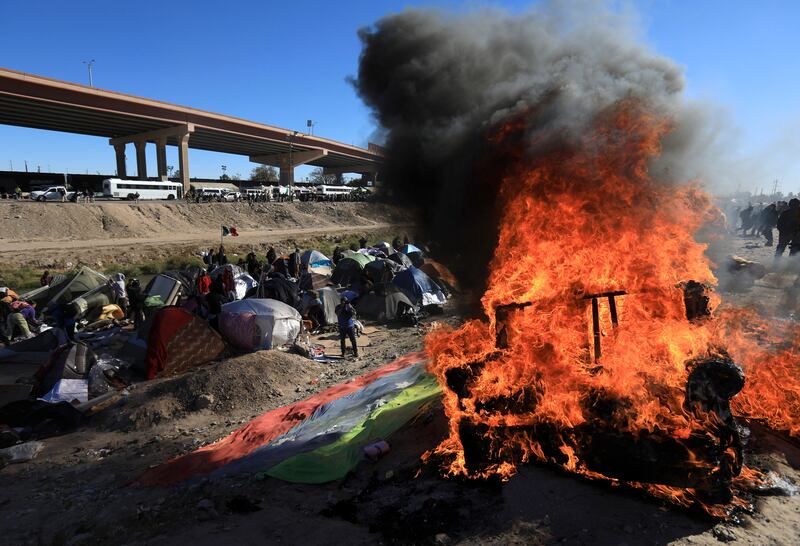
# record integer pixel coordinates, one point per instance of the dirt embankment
(42, 233)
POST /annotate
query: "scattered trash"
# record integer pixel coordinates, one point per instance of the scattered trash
(376, 450)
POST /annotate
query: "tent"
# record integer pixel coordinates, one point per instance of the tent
(419, 287)
(65, 289)
(380, 271)
(385, 247)
(254, 324)
(242, 281)
(439, 273)
(323, 306)
(91, 303)
(179, 340)
(311, 259)
(348, 270)
(410, 249)
(384, 307)
(311, 280)
(400, 258)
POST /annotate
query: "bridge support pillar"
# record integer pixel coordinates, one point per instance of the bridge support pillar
(286, 176)
(161, 158)
(183, 160)
(120, 152)
(339, 179)
(141, 159)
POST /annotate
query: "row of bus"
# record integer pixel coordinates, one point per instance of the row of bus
(116, 188)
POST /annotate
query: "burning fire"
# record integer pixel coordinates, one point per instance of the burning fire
(607, 386)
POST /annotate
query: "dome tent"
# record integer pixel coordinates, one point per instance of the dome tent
(254, 324)
(348, 270)
(419, 288)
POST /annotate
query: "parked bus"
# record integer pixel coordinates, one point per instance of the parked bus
(324, 189)
(127, 189)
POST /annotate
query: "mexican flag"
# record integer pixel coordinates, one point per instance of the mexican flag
(229, 231)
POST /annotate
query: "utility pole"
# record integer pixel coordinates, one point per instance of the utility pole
(89, 66)
(11, 164)
(26, 165)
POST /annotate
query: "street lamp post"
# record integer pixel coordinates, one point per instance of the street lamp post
(89, 67)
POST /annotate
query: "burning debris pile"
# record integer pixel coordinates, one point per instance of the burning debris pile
(588, 359)
(599, 350)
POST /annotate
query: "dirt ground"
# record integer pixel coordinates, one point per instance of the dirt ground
(79, 489)
(46, 234)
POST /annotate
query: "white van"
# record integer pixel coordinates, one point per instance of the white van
(217, 194)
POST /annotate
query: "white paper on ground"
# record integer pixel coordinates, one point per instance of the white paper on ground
(67, 390)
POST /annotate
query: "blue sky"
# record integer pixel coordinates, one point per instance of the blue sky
(285, 62)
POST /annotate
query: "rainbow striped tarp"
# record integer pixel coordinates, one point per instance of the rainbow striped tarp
(319, 439)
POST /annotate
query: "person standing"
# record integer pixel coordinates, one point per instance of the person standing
(788, 225)
(294, 264)
(767, 221)
(346, 318)
(135, 302)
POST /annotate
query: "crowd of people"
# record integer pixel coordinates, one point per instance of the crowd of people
(763, 219)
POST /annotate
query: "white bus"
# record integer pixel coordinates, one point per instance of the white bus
(324, 189)
(127, 189)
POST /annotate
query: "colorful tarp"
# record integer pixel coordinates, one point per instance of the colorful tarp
(318, 439)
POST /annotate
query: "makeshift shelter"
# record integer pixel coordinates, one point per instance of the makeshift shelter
(385, 307)
(419, 288)
(280, 288)
(349, 269)
(254, 324)
(179, 340)
(439, 273)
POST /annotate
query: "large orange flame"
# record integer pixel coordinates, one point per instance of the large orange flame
(586, 219)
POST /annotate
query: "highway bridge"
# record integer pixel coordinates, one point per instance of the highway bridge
(27, 100)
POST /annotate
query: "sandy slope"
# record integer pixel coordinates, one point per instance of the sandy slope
(44, 233)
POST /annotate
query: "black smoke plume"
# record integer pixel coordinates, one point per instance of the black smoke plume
(438, 84)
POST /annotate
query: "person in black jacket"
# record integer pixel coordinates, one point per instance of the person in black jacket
(788, 225)
(767, 220)
(294, 263)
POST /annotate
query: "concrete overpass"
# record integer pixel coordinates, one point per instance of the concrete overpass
(27, 100)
